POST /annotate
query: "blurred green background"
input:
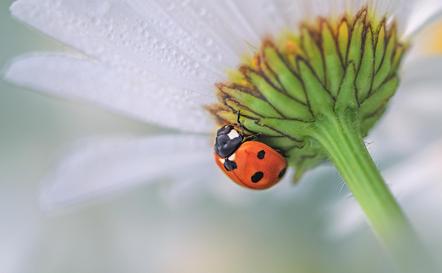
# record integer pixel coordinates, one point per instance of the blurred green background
(137, 231)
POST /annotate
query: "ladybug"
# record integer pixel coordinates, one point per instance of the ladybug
(249, 163)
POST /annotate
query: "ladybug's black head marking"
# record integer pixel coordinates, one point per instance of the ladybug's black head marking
(227, 141)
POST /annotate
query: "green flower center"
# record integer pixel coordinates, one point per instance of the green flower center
(333, 67)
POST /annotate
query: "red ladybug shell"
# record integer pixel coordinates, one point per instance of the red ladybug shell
(258, 165)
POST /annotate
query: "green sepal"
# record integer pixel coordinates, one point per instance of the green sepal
(343, 39)
(347, 96)
(305, 158)
(320, 99)
(284, 104)
(271, 76)
(380, 45)
(366, 69)
(379, 98)
(398, 54)
(333, 64)
(313, 52)
(281, 142)
(291, 128)
(252, 102)
(289, 80)
(354, 51)
(386, 66)
(248, 123)
(370, 121)
(236, 107)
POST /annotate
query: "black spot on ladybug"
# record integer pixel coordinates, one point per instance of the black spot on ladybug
(257, 176)
(282, 172)
(230, 165)
(261, 154)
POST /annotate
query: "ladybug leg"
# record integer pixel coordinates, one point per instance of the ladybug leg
(252, 137)
(237, 118)
(229, 165)
(244, 128)
(238, 122)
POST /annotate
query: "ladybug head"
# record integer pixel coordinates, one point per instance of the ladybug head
(228, 139)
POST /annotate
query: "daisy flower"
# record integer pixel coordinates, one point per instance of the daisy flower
(308, 78)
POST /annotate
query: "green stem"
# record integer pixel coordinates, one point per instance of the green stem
(340, 137)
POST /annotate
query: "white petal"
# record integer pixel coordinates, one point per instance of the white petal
(422, 13)
(425, 71)
(118, 34)
(199, 23)
(142, 98)
(99, 166)
(206, 37)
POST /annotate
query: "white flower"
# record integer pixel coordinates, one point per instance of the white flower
(158, 61)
